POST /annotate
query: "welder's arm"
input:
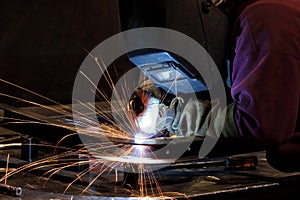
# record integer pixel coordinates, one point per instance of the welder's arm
(192, 118)
(267, 99)
(266, 87)
(265, 109)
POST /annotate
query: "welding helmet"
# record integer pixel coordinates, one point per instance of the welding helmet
(198, 19)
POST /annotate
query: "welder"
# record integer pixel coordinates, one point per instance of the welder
(263, 53)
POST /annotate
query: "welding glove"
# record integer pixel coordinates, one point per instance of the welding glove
(201, 118)
(194, 118)
(152, 116)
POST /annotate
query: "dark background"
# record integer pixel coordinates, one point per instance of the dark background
(43, 43)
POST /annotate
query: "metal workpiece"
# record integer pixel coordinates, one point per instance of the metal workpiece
(233, 163)
(178, 183)
(186, 178)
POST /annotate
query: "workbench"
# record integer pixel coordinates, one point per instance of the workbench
(263, 182)
(192, 182)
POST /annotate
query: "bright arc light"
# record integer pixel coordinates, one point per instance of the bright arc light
(139, 138)
(147, 121)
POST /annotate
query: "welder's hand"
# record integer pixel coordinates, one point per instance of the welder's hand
(151, 115)
(192, 118)
(201, 118)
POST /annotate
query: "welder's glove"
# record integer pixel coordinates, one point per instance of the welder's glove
(201, 118)
(152, 116)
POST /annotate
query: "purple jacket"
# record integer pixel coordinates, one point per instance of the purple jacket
(266, 78)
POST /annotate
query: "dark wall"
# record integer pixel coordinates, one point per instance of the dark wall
(42, 42)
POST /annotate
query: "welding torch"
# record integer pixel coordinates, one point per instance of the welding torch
(10, 190)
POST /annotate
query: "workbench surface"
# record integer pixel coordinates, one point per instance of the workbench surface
(264, 182)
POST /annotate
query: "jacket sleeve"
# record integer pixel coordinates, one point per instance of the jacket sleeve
(266, 88)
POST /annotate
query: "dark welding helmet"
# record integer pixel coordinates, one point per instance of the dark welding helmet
(198, 19)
